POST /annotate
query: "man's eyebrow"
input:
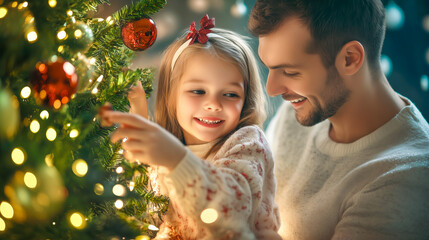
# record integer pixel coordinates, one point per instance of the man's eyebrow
(284, 65)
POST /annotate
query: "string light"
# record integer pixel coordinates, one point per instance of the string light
(44, 115)
(3, 12)
(99, 189)
(61, 35)
(32, 36)
(80, 167)
(119, 204)
(74, 133)
(119, 170)
(209, 215)
(14, 4)
(70, 13)
(395, 17)
(132, 184)
(153, 228)
(426, 23)
(386, 65)
(57, 104)
(26, 92)
(424, 83)
(77, 220)
(34, 126)
(92, 60)
(52, 3)
(239, 9)
(18, 156)
(60, 49)
(198, 6)
(142, 237)
(51, 134)
(30, 180)
(6, 210)
(49, 160)
(119, 190)
(2, 225)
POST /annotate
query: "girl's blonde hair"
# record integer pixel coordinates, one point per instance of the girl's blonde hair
(228, 46)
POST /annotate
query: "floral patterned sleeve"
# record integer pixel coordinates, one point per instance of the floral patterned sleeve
(238, 183)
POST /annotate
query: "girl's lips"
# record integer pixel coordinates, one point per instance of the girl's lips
(209, 122)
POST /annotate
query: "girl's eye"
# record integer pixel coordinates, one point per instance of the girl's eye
(232, 95)
(199, 92)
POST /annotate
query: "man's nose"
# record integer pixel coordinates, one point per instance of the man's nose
(275, 86)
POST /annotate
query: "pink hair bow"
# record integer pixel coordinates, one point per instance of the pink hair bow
(201, 35)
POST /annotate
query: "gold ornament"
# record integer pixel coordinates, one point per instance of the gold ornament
(9, 114)
(36, 195)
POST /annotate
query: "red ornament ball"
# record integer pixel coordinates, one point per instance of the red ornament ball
(139, 35)
(54, 83)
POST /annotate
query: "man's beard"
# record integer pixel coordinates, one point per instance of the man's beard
(334, 95)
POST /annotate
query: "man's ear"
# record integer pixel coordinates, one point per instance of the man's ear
(350, 58)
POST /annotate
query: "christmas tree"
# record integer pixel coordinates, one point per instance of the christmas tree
(60, 176)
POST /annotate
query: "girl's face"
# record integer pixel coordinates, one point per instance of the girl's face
(210, 98)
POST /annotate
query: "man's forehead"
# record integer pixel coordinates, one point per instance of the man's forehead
(290, 40)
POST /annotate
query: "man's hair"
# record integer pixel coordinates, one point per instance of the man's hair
(332, 24)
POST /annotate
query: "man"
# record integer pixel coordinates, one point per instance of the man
(352, 155)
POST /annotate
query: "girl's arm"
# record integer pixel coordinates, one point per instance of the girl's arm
(238, 183)
(138, 102)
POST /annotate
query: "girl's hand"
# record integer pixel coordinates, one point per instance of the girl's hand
(138, 102)
(145, 141)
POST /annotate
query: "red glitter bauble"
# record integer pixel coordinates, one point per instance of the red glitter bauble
(54, 83)
(139, 35)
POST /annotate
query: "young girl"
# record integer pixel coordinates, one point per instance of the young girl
(209, 98)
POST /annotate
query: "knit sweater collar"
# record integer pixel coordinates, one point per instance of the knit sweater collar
(327, 146)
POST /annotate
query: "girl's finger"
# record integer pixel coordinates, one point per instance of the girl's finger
(129, 133)
(132, 145)
(128, 120)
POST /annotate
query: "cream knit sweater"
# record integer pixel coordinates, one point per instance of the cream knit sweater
(374, 188)
(238, 182)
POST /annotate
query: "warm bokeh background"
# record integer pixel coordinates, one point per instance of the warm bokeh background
(405, 53)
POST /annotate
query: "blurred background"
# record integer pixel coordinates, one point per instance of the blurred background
(405, 59)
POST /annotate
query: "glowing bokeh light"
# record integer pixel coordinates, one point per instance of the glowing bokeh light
(6, 210)
(153, 228)
(34, 126)
(424, 83)
(18, 156)
(74, 133)
(44, 115)
(119, 204)
(26, 92)
(386, 65)
(2, 225)
(3, 12)
(426, 23)
(30, 180)
(77, 220)
(51, 134)
(80, 167)
(395, 17)
(52, 3)
(31, 36)
(209, 215)
(119, 190)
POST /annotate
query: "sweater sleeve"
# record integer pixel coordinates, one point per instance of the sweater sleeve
(231, 183)
(394, 206)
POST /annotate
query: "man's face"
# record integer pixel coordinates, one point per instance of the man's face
(315, 92)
